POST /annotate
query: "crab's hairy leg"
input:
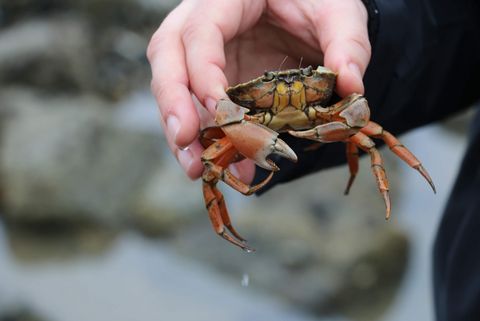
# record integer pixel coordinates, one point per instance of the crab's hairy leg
(217, 150)
(326, 133)
(231, 180)
(215, 215)
(365, 143)
(210, 135)
(219, 153)
(375, 130)
(352, 159)
(224, 214)
(337, 122)
(216, 158)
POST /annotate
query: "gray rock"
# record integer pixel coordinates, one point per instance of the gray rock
(167, 202)
(19, 313)
(75, 159)
(48, 53)
(65, 158)
(79, 46)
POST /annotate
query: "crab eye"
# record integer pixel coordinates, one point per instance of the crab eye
(307, 71)
(268, 76)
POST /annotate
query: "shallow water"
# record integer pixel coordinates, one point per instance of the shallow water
(137, 279)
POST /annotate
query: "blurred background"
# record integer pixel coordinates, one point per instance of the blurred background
(97, 221)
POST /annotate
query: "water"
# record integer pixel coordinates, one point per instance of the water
(137, 279)
(245, 280)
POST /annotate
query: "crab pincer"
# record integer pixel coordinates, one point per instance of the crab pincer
(239, 139)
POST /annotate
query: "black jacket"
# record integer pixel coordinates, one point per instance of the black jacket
(425, 66)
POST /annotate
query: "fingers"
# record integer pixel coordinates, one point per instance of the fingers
(341, 27)
(204, 37)
(205, 60)
(186, 55)
(170, 80)
(189, 157)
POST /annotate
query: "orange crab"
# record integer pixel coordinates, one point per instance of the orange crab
(293, 101)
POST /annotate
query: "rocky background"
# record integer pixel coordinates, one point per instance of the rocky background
(83, 162)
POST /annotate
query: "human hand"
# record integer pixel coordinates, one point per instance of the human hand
(204, 45)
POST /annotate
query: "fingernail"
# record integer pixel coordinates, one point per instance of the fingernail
(210, 103)
(355, 70)
(185, 158)
(173, 127)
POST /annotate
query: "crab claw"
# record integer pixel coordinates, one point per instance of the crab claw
(281, 148)
(257, 142)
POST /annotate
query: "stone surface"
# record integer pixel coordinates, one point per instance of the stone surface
(75, 159)
(53, 54)
(65, 158)
(167, 202)
(78, 46)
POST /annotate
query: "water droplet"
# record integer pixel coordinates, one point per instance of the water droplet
(245, 280)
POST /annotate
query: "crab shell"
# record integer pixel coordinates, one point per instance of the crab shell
(259, 93)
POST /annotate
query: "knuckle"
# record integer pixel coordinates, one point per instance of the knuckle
(190, 31)
(363, 44)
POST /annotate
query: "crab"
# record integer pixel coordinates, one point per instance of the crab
(294, 101)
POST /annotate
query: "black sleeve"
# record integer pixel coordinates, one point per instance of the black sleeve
(425, 66)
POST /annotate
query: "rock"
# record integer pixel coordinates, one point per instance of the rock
(65, 158)
(87, 46)
(56, 240)
(76, 159)
(167, 202)
(20, 313)
(53, 54)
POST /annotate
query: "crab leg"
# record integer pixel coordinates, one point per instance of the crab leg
(224, 213)
(326, 133)
(365, 143)
(215, 158)
(224, 174)
(375, 130)
(352, 159)
(215, 215)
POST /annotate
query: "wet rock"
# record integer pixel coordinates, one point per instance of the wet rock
(53, 54)
(19, 313)
(167, 202)
(71, 46)
(56, 240)
(134, 14)
(65, 158)
(75, 159)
